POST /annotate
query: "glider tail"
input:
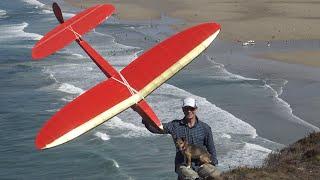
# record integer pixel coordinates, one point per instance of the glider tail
(104, 66)
(72, 30)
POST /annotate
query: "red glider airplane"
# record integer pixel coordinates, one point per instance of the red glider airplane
(120, 90)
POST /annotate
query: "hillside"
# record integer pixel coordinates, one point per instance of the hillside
(300, 160)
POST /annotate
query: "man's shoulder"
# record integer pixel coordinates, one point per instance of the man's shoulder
(171, 126)
(204, 125)
(175, 121)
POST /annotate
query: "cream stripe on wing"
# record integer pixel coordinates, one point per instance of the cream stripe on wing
(178, 65)
(135, 98)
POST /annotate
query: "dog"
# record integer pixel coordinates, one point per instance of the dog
(191, 151)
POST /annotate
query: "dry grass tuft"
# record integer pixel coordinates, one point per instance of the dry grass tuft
(300, 160)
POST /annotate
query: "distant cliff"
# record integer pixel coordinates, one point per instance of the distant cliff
(300, 160)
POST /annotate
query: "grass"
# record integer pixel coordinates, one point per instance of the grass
(300, 160)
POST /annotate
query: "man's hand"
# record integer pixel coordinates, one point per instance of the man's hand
(151, 127)
(143, 121)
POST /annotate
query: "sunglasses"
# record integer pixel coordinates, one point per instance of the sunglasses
(188, 108)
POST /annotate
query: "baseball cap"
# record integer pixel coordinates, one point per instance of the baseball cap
(189, 102)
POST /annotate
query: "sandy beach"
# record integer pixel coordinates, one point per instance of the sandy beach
(240, 20)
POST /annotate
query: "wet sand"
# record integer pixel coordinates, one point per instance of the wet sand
(306, 57)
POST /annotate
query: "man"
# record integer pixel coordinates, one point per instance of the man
(194, 131)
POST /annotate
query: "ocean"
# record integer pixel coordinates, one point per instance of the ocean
(122, 148)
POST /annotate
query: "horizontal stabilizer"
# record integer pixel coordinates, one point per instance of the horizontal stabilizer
(71, 30)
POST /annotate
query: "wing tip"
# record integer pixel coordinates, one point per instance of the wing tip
(40, 142)
(39, 145)
(35, 55)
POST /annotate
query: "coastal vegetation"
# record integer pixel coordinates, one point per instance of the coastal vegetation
(300, 160)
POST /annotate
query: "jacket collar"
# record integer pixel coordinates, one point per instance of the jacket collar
(185, 122)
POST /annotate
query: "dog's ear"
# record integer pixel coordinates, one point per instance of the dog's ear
(183, 139)
(174, 137)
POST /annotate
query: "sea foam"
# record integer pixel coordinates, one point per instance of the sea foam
(3, 13)
(16, 32)
(126, 129)
(69, 88)
(103, 136)
(34, 2)
(286, 107)
(251, 155)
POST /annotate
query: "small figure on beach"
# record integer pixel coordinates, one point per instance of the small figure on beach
(195, 134)
(249, 43)
(268, 43)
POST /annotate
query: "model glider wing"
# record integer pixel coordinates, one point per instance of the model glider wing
(157, 65)
(89, 110)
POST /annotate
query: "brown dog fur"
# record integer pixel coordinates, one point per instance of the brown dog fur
(191, 151)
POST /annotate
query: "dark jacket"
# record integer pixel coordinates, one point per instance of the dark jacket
(200, 134)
